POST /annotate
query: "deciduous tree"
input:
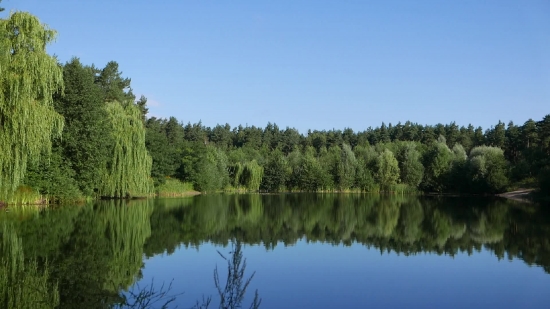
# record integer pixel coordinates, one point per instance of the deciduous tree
(28, 79)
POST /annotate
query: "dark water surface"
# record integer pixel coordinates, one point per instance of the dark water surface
(305, 251)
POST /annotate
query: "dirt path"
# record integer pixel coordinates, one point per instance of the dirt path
(521, 195)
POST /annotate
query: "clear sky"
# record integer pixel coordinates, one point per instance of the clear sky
(317, 64)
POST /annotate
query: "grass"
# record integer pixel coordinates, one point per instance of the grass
(25, 195)
(402, 189)
(526, 183)
(175, 188)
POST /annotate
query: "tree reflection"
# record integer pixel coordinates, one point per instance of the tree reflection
(405, 225)
(22, 283)
(231, 294)
(90, 253)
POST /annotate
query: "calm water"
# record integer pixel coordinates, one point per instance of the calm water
(305, 251)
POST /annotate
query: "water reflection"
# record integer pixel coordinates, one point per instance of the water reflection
(87, 256)
(22, 283)
(231, 294)
(405, 225)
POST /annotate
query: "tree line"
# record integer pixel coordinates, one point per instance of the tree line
(410, 156)
(74, 131)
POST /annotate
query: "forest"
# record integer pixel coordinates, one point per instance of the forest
(74, 132)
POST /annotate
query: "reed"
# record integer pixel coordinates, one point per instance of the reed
(25, 195)
(174, 187)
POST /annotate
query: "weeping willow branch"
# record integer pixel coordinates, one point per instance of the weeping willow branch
(251, 176)
(128, 173)
(28, 79)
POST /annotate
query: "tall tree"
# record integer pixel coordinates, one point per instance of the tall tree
(28, 79)
(410, 165)
(530, 135)
(437, 163)
(275, 172)
(114, 86)
(497, 136)
(489, 170)
(387, 169)
(142, 105)
(128, 172)
(162, 153)
(86, 139)
(347, 168)
(211, 172)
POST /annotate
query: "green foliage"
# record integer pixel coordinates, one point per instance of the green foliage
(165, 144)
(330, 161)
(251, 177)
(28, 79)
(174, 187)
(489, 170)
(24, 195)
(387, 169)
(211, 170)
(459, 154)
(347, 168)
(127, 173)
(410, 165)
(496, 136)
(364, 180)
(402, 224)
(367, 154)
(402, 188)
(113, 86)
(22, 283)
(94, 252)
(308, 174)
(437, 164)
(86, 141)
(54, 179)
(275, 172)
(110, 148)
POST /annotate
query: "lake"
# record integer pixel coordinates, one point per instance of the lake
(303, 250)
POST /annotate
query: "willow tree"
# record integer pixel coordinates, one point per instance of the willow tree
(128, 172)
(251, 176)
(28, 79)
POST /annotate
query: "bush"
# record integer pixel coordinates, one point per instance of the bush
(488, 170)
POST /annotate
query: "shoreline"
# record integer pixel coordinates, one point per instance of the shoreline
(520, 195)
(178, 194)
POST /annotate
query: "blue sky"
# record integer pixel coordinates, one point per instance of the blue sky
(317, 64)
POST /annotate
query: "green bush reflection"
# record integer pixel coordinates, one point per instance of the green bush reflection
(86, 256)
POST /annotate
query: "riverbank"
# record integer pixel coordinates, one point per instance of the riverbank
(178, 194)
(520, 195)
